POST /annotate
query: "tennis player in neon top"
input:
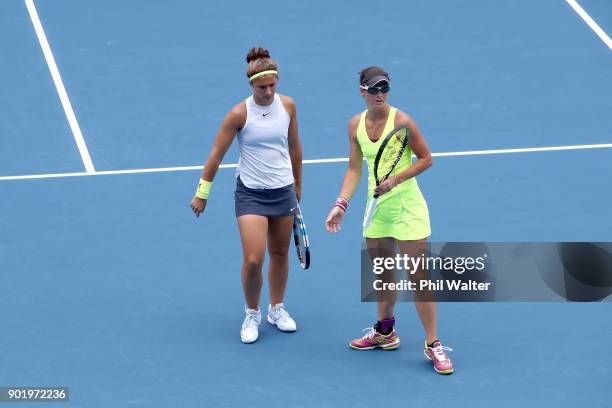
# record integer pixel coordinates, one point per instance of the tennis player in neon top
(400, 217)
(268, 187)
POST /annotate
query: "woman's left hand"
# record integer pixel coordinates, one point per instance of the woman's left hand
(386, 185)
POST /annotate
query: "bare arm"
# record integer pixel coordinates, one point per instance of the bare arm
(232, 123)
(352, 176)
(419, 148)
(295, 146)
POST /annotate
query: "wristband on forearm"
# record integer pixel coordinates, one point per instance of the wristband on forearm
(342, 203)
(203, 189)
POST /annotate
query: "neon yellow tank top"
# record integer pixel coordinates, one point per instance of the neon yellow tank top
(369, 150)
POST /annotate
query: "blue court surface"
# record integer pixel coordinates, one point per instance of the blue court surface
(111, 287)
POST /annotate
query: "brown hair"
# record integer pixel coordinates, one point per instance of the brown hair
(259, 60)
(371, 72)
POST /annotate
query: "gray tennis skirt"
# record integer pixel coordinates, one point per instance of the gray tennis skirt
(272, 202)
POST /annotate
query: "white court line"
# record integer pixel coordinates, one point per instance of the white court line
(315, 161)
(591, 23)
(524, 150)
(61, 90)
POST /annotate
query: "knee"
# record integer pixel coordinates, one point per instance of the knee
(279, 252)
(252, 266)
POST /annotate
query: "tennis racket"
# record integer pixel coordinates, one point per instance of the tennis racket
(300, 237)
(389, 154)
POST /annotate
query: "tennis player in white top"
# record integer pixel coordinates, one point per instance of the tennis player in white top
(268, 187)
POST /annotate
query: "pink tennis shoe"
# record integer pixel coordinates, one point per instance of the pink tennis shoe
(373, 340)
(436, 354)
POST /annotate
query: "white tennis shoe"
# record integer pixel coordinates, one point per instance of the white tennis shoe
(280, 318)
(250, 326)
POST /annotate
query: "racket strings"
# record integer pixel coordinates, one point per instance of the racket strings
(301, 236)
(301, 240)
(392, 152)
(387, 157)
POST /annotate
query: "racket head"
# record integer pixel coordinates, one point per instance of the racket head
(390, 153)
(300, 238)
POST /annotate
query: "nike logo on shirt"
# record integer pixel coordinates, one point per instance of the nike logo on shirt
(266, 114)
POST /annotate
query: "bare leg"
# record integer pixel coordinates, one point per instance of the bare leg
(384, 247)
(427, 310)
(279, 239)
(253, 231)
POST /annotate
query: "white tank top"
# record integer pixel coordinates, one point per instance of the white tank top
(264, 149)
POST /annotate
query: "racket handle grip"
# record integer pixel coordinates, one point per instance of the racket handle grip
(370, 213)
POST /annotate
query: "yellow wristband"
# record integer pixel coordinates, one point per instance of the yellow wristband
(203, 189)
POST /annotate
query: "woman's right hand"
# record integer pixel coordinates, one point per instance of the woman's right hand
(332, 223)
(197, 205)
